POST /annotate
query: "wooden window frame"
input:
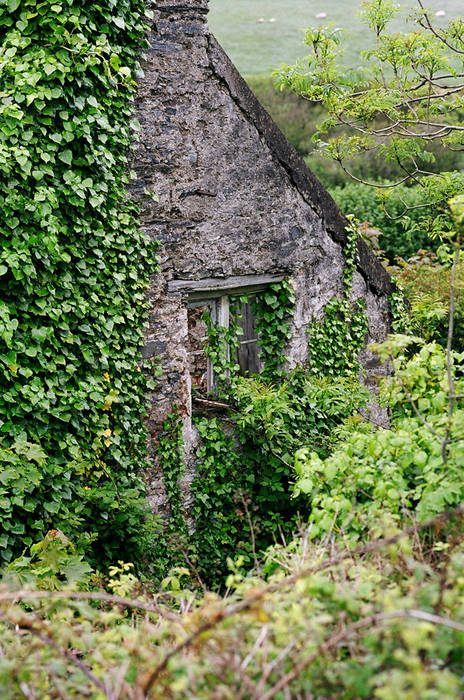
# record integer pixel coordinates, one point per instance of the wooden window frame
(216, 294)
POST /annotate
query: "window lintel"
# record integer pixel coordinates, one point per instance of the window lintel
(210, 288)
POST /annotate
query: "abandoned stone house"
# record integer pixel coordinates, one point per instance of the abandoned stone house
(238, 210)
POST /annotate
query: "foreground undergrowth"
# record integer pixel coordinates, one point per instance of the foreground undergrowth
(381, 620)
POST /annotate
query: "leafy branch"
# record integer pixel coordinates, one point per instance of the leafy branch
(407, 94)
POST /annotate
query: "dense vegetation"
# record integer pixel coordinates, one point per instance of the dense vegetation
(383, 620)
(365, 601)
(242, 495)
(334, 546)
(73, 268)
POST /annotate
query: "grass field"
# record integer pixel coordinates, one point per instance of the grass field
(259, 47)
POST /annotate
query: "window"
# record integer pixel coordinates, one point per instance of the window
(199, 365)
(217, 298)
(247, 353)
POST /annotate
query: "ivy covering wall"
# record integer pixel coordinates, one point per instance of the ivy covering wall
(73, 270)
(242, 494)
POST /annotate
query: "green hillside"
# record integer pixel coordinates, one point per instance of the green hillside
(259, 47)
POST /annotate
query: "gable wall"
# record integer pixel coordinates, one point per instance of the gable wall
(230, 200)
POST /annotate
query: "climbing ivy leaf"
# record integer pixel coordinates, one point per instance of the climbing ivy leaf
(66, 156)
(72, 274)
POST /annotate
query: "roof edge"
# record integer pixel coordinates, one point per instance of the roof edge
(304, 180)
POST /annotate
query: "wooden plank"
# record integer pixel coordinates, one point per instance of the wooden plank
(222, 311)
(220, 317)
(247, 352)
(212, 287)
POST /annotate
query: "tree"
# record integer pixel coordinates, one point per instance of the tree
(407, 95)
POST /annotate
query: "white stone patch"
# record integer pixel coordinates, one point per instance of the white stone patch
(321, 15)
(272, 19)
(440, 13)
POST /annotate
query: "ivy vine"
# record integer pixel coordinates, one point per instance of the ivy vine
(241, 494)
(236, 488)
(273, 310)
(401, 321)
(221, 345)
(223, 484)
(335, 342)
(174, 538)
(73, 271)
(171, 460)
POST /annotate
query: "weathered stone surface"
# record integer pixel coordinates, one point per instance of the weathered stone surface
(235, 199)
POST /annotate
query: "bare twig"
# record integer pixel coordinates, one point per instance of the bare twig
(259, 640)
(405, 210)
(353, 629)
(88, 595)
(190, 563)
(255, 596)
(372, 184)
(27, 625)
(252, 532)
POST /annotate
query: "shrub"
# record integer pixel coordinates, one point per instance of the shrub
(242, 494)
(400, 236)
(49, 565)
(380, 621)
(416, 465)
(426, 281)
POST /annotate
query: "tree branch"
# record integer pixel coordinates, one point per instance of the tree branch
(354, 629)
(439, 36)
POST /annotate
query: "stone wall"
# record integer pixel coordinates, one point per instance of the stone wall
(234, 199)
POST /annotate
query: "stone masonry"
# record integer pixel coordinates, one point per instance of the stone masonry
(235, 202)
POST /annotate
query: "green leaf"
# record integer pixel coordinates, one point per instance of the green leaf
(66, 156)
(39, 333)
(115, 62)
(119, 22)
(86, 264)
(52, 507)
(76, 569)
